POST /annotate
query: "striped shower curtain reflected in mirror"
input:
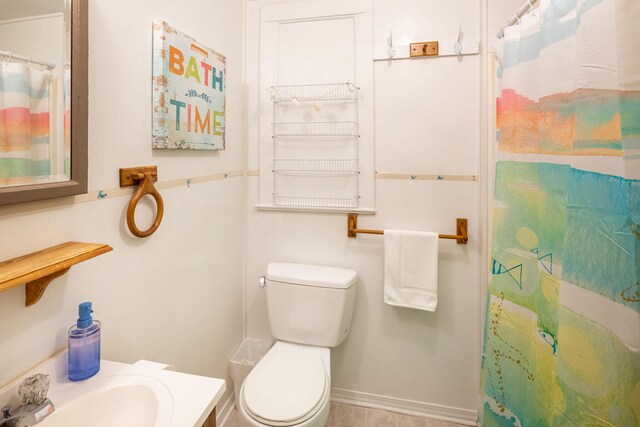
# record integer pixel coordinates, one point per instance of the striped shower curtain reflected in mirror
(24, 124)
(562, 335)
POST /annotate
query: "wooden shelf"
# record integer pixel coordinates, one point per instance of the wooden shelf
(38, 269)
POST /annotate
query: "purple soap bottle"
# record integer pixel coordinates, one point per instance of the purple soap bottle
(84, 345)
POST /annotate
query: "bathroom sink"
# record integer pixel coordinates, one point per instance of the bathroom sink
(144, 394)
(127, 400)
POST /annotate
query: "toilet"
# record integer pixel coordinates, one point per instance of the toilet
(310, 309)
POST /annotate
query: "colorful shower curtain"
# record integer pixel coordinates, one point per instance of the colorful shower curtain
(562, 336)
(24, 124)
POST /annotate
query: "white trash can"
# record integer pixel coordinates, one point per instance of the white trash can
(250, 352)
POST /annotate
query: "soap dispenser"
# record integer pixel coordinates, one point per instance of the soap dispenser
(84, 345)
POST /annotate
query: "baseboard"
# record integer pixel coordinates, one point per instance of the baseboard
(405, 406)
(225, 410)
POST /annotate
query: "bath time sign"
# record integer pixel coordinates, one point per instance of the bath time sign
(188, 92)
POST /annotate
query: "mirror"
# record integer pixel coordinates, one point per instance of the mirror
(43, 99)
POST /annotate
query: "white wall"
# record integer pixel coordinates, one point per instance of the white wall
(39, 37)
(498, 13)
(175, 297)
(13, 9)
(427, 114)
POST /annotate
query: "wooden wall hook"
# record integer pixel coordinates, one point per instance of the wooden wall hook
(144, 177)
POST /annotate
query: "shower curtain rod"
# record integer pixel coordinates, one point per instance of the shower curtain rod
(11, 55)
(517, 15)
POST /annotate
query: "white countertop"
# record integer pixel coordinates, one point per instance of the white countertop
(183, 399)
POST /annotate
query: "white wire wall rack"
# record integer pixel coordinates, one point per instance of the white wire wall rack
(316, 129)
(316, 203)
(315, 146)
(315, 166)
(329, 92)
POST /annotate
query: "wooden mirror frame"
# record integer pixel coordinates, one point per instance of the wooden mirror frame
(77, 184)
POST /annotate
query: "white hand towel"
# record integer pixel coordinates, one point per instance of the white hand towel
(411, 269)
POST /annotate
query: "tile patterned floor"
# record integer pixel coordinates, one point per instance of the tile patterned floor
(341, 415)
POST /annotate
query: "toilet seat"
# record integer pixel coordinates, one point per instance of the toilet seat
(287, 387)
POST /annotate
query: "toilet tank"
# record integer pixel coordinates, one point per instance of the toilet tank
(310, 304)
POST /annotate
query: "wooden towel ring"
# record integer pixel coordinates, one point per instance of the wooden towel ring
(144, 179)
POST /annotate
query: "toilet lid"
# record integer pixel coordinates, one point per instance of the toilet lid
(287, 385)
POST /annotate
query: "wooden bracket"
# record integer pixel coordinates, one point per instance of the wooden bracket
(38, 269)
(461, 231)
(352, 225)
(423, 49)
(133, 176)
(34, 290)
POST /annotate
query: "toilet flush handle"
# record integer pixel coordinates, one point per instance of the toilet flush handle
(263, 282)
